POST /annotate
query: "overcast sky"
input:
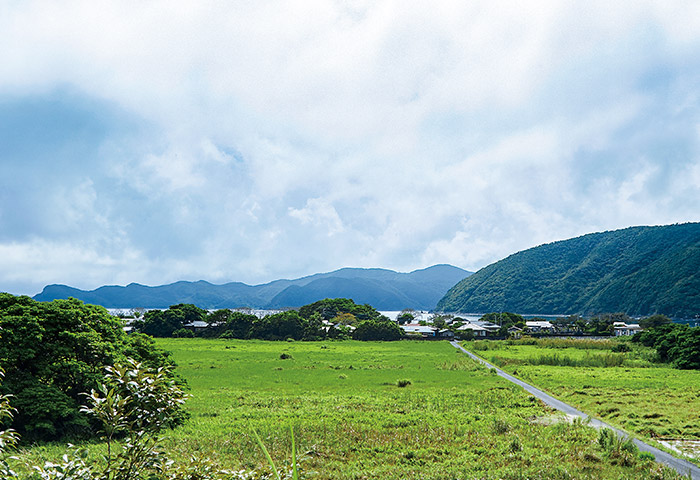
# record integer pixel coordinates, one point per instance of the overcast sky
(156, 141)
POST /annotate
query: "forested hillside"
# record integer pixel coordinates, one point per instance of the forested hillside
(637, 270)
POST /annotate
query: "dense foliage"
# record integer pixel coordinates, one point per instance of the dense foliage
(52, 352)
(330, 318)
(677, 344)
(330, 308)
(163, 323)
(377, 330)
(638, 271)
(131, 407)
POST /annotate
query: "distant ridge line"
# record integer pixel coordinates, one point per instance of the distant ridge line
(382, 288)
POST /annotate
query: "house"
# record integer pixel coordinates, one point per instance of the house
(445, 333)
(489, 326)
(621, 328)
(539, 326)
(424, 330)
(514, 331)
(196, 326)
(477, 330)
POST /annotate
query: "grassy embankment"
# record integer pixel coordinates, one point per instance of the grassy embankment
(452, 419)
(626, 389)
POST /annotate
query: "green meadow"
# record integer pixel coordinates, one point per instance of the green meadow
(375, 410)
(626, 389)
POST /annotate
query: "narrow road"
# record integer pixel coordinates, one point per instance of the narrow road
(683, 467)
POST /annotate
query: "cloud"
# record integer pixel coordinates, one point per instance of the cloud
(319, 214)
(172, 140)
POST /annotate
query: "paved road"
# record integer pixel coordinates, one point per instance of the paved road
(684, 467)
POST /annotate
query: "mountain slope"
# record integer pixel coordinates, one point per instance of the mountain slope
(637, 270)
(383, 289)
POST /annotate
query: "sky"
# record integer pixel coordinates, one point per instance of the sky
(155, 141)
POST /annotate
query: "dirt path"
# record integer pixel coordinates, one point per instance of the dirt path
(683, 467)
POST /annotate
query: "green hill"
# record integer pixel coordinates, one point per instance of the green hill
(637, 270)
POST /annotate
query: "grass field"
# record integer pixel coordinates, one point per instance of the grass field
(651, 400)
(451, 419)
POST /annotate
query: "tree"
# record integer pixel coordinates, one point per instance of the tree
(675, 343)
(344, 319)
(314, 328)
(162, 323)
(132, 406)
(406, 316)
(377, 330)
(440, 320)
(654, 321)
(332, 307)
(51, 353)
(603, 324)
(230, 324)
(8, 438)
(503, 318)
(686, 354)
(279, 326)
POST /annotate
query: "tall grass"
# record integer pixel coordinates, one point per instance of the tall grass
(271, 463)
(580, 343)
(557, 342)
(555, 359)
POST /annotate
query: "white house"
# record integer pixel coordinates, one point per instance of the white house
(478, 330)
(539, 326)
(423, 330)
(622, 328)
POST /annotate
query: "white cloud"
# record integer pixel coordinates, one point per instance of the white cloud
(320, 214)
(271, 139)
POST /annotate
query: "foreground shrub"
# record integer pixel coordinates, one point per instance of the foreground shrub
(53, 351)
(133, 406)
(620, 450)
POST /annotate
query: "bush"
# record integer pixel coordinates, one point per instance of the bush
(646, 456)
(403, 383)
(675, 343)
(500, 426)
(183, 333)
(54, 351)
(132, 405)
(385, 330)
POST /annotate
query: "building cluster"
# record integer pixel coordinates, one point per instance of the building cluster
(484, 329)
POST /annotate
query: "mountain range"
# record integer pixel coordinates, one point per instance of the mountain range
(638, 270)
(381, 288)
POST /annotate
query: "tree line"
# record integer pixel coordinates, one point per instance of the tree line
(677, 344)
(338, 318)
